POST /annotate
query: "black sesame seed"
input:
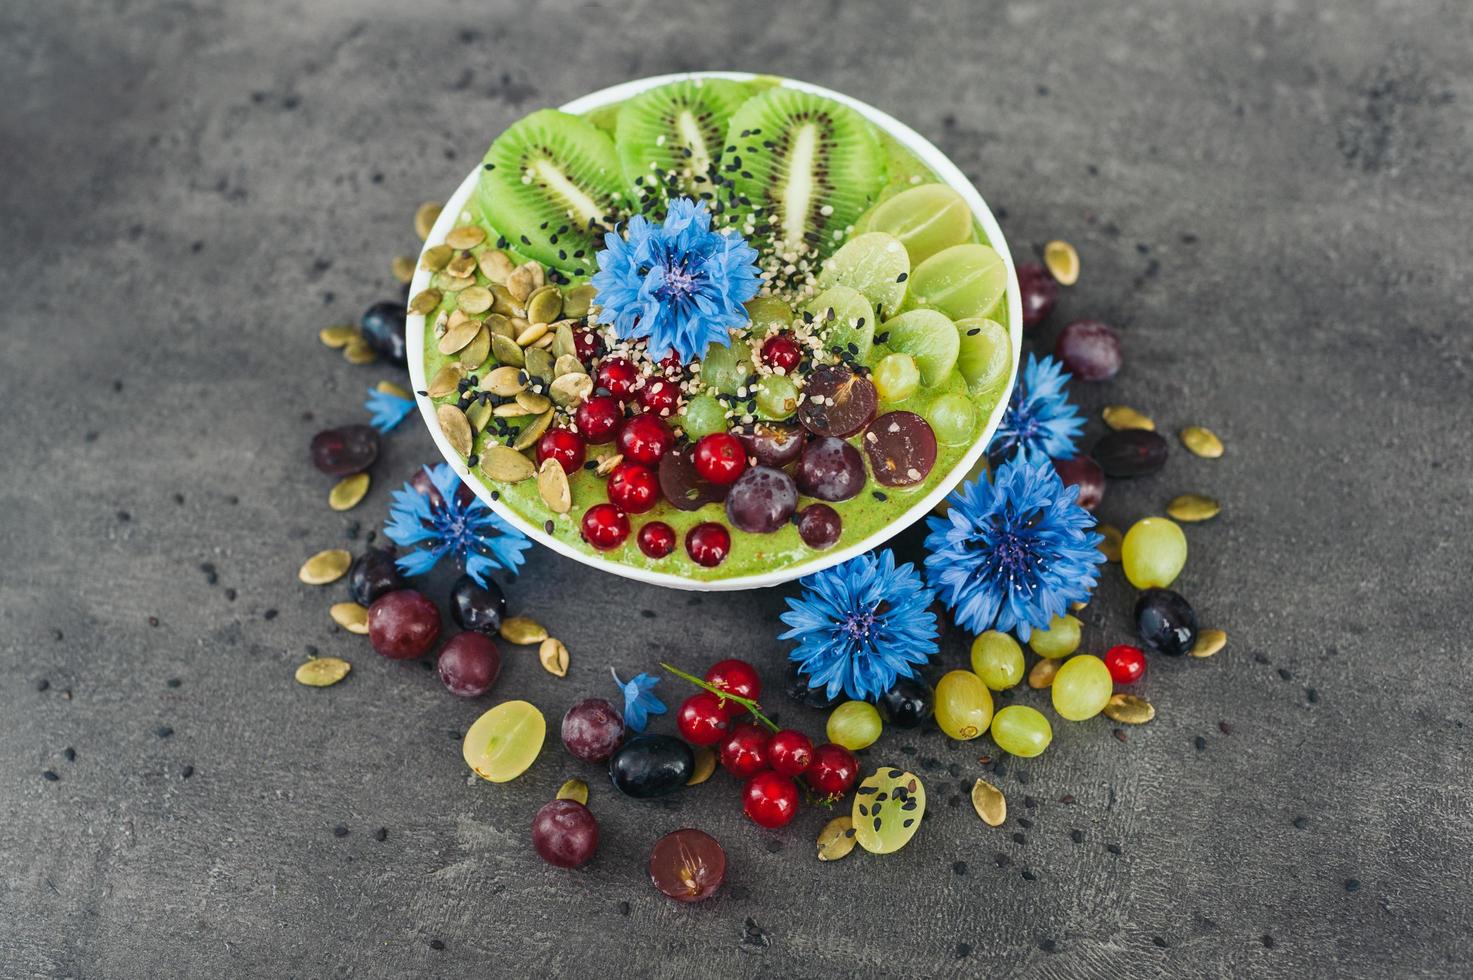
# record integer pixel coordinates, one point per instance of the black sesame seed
(43, 684)
(959, 867)
(1113, 848)
(340, 831)
(1352, 884)
(187, 771)
(49, 776)
(381, 835)
(70, 754)
(163, 731)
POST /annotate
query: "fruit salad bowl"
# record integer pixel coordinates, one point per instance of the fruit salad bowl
(906, 352)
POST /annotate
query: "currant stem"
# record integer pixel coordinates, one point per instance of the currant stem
(752, 707)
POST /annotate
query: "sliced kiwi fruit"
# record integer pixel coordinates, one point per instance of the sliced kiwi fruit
(670, 138)
(806, 167)
(551, 185)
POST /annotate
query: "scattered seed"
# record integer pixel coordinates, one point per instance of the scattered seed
(989, 803)
(1062, 262)
(1129, 709)
(505, 465)
(323, 671)
(1110, 547)
(348, 492)
(534, 332)
(350, 616)
(554, 657)
(476, 299)
(504, 382)
(465, 236)
(566, 364)
(446, 380)
(1201, 442)
(425, 301)
(402, 268)
(1191, 508)
(705, 765)
(338, 336)
(357, 351)
(539, 363)
(1043, 673)
(424, 218)
(1208, 643)
(389, 388)
(522, 631)
(1120, 417)
(325, 567)
(437, 257)
(836, 839)
(552, 485)
(458, 335)
(575, 790)
(529, 436)
(607, 463)
(495, 265)
(543, 306)
(534, 403)
(578, 300)
(571, 389)
(457, 428)
(506, 351)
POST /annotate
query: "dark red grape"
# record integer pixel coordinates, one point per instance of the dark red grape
(1130, 452)
(901, 448)
(1166, 622)
(820, 526)
(373, 574)
(592, 730)
(682, 485)
(383, 329)
(403, 625)
(477, 607)
(909, 703)
(771, 443)
(565, 834)
(830, 469)
(837, 402)
(469, 665)
(1038, 290)
(647, 766)
(1084, 473)
(813, 697)
(687, 865)
(1089, 349)
(345, 450)
(761, 500)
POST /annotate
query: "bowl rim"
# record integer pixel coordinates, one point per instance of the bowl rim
(913, 141)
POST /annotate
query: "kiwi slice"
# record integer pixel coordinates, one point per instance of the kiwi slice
(805, 166)
(669, 138)
(551, 185)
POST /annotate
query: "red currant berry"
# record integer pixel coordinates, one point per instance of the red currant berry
(605, 526)
(790, 752)
(833, 770)
(660, 397)
(633, 488)
(656, 539)
(735, 677)
(563, 445)
(599, 418)
(744, 752)
(708, 544)
(701, 720)
(770, 799)
(1127, 664)
(617, 376)
(645, 438)
(671, 362)
(720, 458)
(587, 345)
(781, 352)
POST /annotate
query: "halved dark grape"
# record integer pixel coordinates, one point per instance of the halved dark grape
(820, 526)
(761, 500)
(687, 865)
(901, 448)
(1130, 452)
(771, 443)
(345, 450)
(383, 329)
(1084, 473)
(837, 402)
(373, 574)
(830, 469)
(477, 607)
(682, 485)
(1089, 349)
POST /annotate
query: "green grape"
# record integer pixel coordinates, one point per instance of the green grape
(504, 741)
(1153, 553)
(777, 397)
(1081, 687)
(896, 377)
(854, 725)
(1021, 731)
(1059, 640)
(769, 313)
(887, 812)
(702, 416)
(875, 263)
(727, 368)
(963, 705)
(986, 355)
(961, 281)
(853, 320)
(928, 337)
(953, 418)
(926, 219)
(998, 660)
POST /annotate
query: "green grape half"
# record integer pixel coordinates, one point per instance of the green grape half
(963, 705)
(727, 368)
(853, 320)
(854, 725)
(998, 660)
(896, 377)
(769, 313)
(953, 418)
(1022, 731)
(1081, 687)
(702, 416)
(961, 281)
(874, 263)
(1059, 640)
(928, 337)
(502, 743)
(1153, 553)
(986, 355)
(926, 219)
(777, 397)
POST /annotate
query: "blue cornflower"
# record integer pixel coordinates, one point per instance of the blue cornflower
(1014, 552)
(1039, 418)
(467, 531)
(680, 285)
(860, 625)
(639, 700)
(388, 408)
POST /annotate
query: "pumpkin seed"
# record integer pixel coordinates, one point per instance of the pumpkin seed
(457, 428)
(402, 268)
(495, 265)
(1201, 442)
(522, 631)
(1208, 643)
(836, 839)
(437, 257)
(425, 301)
(552, 484)
(535, 331)
(512, 410)
(478, 414)
(562, 343)
(505, 465)
(575, 790)
(446, 380)
(465, 236)
(504, 382)
(571, 389)
(350, 616)
(607, 463)
(425, 217)
(348, 492)
(544, 305)
(1043, 673)
(323, 671)
(529, 436)
(506, 351)
(538, 363)
(533, 402)
(463, 267)
(523, 280)
(502, 301)
(398, 391)
(1191, 508)
(1110, 547)
(338, 336)
(477, 350)
(500, 326)
(453, 284)
(705, 765)
(578, 299)
(325, 567)
(543, 343)
(357, 351)
(989, 803)
(1062, 262)
(1075, 607)
(459, 336)
(1120, 417)
(566, 364)
(1128, 709)
(441, 320)
(477, 299)
(554, 657)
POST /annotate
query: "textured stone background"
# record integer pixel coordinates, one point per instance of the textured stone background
(1271, 199)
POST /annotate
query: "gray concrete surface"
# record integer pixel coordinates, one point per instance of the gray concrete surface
(1271, 199)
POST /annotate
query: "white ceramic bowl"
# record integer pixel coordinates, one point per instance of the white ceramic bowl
(452, 214)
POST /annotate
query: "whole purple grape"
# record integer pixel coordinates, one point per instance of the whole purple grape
(1089, 349)
(1038, 290)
